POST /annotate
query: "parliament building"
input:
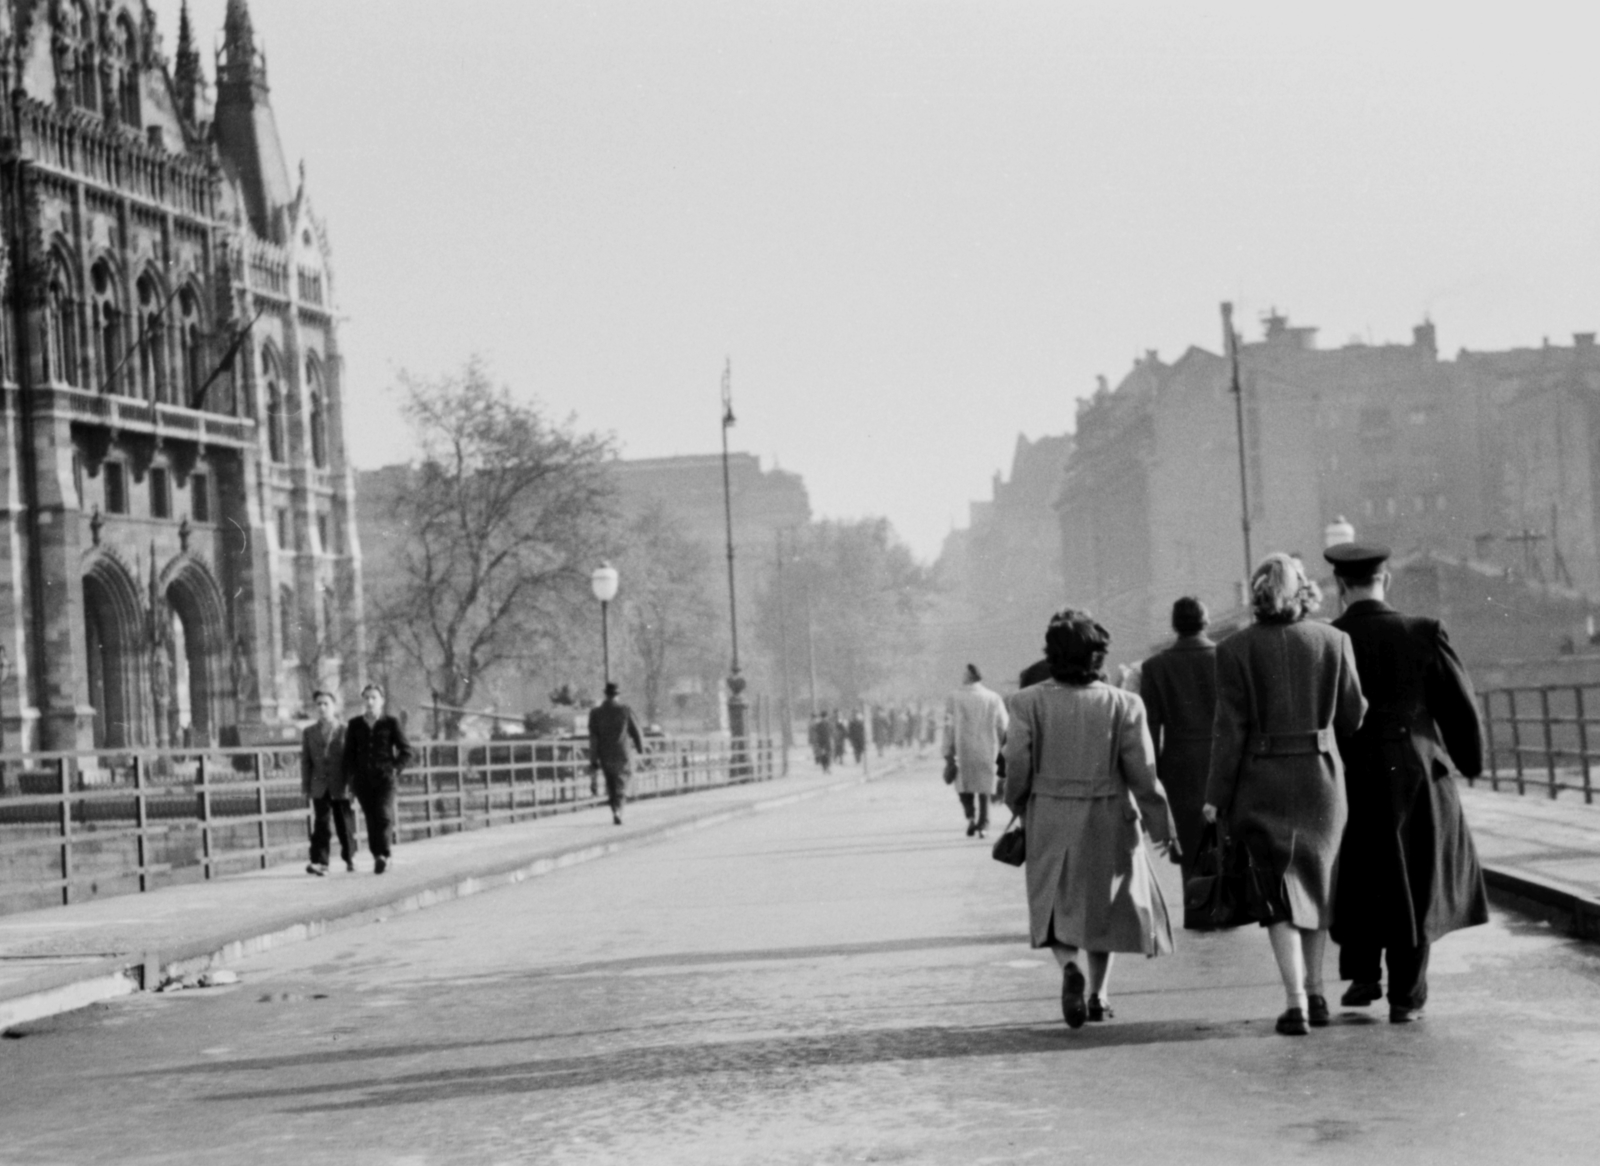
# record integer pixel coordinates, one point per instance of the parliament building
(179, 564)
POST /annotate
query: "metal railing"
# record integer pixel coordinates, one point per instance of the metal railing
(1540, 738)
(82, 825)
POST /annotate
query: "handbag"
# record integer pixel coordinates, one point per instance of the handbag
(1011, 847)
(951, 770)
(1214, 893)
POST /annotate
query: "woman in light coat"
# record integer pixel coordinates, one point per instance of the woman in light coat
(977, 720)
(1285, 686)
(1080, 770)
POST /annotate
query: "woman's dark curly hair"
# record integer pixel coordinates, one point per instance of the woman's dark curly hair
(1075, 647)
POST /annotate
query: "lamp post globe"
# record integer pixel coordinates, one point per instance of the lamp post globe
(604, 584)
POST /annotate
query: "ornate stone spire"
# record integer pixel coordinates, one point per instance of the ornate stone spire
(186, 69)
(238, 34)
(240, 65)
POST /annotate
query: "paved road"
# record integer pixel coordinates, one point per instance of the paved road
(843, 980)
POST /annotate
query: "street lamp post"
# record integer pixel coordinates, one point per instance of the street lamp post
(604, 583)
(736, 682)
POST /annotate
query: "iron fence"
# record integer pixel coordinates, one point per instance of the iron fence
(1540, 738)
(82, 825)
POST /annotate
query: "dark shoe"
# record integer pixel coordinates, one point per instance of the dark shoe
(1317, 1011)
(1073, 1010)
(972, 828)
(1099, 1009)
(1359, 995)
(350, 865)
(1293, 1023)
(379, 865)
(616, 816)
(313, 868)
(1398, 1015)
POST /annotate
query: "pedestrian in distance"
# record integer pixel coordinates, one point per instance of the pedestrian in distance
(1408, 871)
(857, 730)
(841, 736)
(322, 781)
(1179, 689)
(1285, 686)
(977, 721)
(612, 728)
(821, 734)
(1080, 772)
(375, 753)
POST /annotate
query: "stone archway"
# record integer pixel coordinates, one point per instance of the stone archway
(114, 623)
(200, 633)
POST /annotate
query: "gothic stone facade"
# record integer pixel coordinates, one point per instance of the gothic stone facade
(179, 563)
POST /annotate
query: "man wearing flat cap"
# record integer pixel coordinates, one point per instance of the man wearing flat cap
(1408, 872)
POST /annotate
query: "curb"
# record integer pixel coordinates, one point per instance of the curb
(1581, 913)
(93, 983)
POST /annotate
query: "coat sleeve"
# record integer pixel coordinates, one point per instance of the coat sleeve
(1136, 759)
(402, 747)
(950, 727)
(305, 763)
(1019, 758)
(1448, 691)
(1002, 718)
(1230, 729)
(349, 750)
(634, 734)
(1352, 707)
(1155, 711)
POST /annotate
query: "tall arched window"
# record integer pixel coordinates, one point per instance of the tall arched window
(273, 378)
(191, 352)
(61, 351)
(127, 72)
(77, 67)
(107, 327)
(152, 341)
(319, 416)
(288, 625)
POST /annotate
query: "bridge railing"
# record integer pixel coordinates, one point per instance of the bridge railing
(1542, 739)
(75, 826)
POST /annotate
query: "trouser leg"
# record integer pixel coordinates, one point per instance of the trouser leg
(378, 809)
(344, 822)
(1361, 963)
(967, 805)
(616, 788)
(319, 831)
(983, 811)
(1408, 975)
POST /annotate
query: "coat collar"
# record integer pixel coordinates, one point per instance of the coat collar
(1198, 642)
(1362, 607)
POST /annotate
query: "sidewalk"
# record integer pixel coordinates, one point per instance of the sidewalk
(60, 958)
(1541, 850)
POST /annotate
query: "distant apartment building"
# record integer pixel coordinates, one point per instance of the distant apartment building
(1486, 459)
(1001, 577)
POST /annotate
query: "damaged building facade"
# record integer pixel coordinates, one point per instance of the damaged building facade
(180, 563)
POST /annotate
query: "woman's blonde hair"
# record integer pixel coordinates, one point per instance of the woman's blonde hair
(1280, 592)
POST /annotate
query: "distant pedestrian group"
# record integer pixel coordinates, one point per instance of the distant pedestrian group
(1316, 755)
(361, 759)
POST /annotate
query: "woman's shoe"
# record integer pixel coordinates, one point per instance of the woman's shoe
(1099, 1009)
(1073, 1010)
(1293, 1023)
(1317, 1011)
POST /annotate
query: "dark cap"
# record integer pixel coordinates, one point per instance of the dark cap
(1356, 560)
(611, 688)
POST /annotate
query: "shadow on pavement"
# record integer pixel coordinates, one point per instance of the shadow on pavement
(775, 1055)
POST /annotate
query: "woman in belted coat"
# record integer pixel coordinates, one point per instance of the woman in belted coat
(1285, 687)
(1080, 770)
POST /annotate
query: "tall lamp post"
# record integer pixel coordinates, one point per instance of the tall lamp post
(604, 583)
(1236, 389)
(736, 682)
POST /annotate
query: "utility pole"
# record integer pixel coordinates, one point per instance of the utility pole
(1238, 417)
(783, 657)
(811, 650)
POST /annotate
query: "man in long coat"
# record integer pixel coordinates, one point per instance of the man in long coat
(1408, 872)
(978, 720)
(611, 727)
(1179, 689)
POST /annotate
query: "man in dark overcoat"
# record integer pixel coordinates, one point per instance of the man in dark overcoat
(611, 727)
(821, 734)
(1179, 689)
(1408, 872)
(375, 752)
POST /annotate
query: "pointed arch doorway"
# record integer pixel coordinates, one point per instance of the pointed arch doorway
(113, 638)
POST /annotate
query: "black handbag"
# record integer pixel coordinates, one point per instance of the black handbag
(1213, 894)
(1011, 847)
(951, 769)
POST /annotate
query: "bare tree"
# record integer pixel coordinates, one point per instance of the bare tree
(669, 617)
(497, 528)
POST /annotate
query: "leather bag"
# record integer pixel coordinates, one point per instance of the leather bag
(951, 769)
(1214, 892)
(1011, 847)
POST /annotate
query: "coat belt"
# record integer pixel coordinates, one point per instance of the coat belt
(1292, 744)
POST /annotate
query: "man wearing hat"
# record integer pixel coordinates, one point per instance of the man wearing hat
(611, 727)
(1408, 872)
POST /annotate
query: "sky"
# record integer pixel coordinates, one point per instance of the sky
(918, 230)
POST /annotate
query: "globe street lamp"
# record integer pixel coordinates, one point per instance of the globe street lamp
(604, 583)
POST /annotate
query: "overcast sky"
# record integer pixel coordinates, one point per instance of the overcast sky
(918, 229)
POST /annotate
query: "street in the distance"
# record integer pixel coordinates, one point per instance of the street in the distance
(846, 979)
